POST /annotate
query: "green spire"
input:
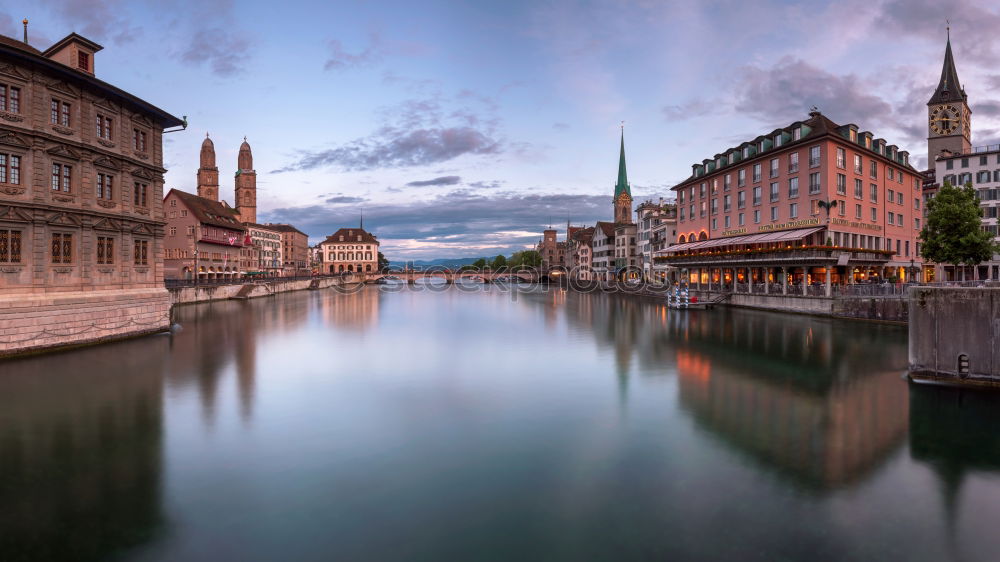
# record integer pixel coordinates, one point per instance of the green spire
(622, 185)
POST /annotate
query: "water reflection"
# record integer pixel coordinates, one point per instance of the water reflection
(80, 452)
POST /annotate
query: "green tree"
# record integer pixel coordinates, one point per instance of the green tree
(499, 263)
(479, 264)
(383, 263)
(953, 231)
(527, 258)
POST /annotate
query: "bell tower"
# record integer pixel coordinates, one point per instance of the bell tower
(623, 193)
(246, 185)
(949, 119)
(208, 173)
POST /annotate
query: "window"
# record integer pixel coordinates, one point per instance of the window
(756, 216)
(756, 195)
(715, 185)
(105, 250)
(746, 151)
(841, 184)
(60, 113)
(983, 160)
(777, 140)
(10, 98)
(173, 231)
(715, 224)
(691, 211)
(965, 162)
(857, 163)
(814, 183)
(857, 212)
(873, 169)
(702, 190)
(726, 221)
(774, 168)
(841, 158)
(62, 176)
(796, 133)
(916, 203)
(891, 173)
(727, 203)
(756, 172)
(793, 187)
(874, 192)
(842, 207)
(10, 246)
(10, 169)
(793, 162)
(874, 214)
(191, 229)
(105, 184)
(83, 60)
(891, 197)
(682, 213)
(774, 213)
(774, 192)
(741, 219)
(727, 182)
(900, 219)
(892, 218)
(139, 140)
(741, 199)
(950, 165)
(104, 127)
(62, 248)
(916, 224)
(140, 252)
(715, 206)
(859, 189)
(793, 210)
(741, 177)
(139, 194)
(813, 156)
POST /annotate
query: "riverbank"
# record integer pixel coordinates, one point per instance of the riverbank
(240, 291)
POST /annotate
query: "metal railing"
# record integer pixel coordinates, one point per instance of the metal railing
(180, 283)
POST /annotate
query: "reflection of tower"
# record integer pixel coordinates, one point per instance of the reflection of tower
(246, 185)
(246, 367)
(208, 173)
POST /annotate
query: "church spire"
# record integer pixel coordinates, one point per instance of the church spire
(622, 185)
(949, 88)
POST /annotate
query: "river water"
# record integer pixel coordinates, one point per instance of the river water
(489, 425)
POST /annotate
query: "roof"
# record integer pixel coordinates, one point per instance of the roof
(69, 39)
(949, 88)
(607, 227)
(584, 235)
(208, 211)
(284, 228)
(350, 235)
(12, 48)
(814, 128)
(622, 185)
(261, 226)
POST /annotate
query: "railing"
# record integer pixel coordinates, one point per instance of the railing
(986, 148)
(179, 283)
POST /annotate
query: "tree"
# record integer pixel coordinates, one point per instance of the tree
(479, 264)
(383, 263)
(953, 231)
(499, 262)
(527, 258)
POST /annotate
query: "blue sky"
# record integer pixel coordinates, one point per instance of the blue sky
(463, 129)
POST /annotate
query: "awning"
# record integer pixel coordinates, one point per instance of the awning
(761, 238)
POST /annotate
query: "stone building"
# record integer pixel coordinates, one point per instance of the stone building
(652, 224)
(579, 251)
(349, 250)
(81, 215)
(204, 236)
(294, 249)
(267, 258)
(603, 252)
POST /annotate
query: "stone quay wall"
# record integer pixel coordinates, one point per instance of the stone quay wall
(37, 322)
(206, 293)
(955, 335)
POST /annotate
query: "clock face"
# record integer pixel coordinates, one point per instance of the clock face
(945, 119)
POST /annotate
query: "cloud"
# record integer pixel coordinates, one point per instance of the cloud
(486, 184)
(561, 126)
(457, 223)
(786, 91)
(344, 199)
(415, 133)
(689, 110)
(226, 52)
(100, 20)
(443, 180)
(374, 52)
(974, 24)
(986, 108)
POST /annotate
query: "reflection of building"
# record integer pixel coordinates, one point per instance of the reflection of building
(359, 309)
(81, 181)
(793, 397)
(81, 452)
(349, 250)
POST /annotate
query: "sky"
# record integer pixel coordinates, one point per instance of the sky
(463, 129)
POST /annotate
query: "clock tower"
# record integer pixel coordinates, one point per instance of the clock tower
(948, 114)
(623, 192)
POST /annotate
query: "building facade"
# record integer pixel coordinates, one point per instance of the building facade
(811, 203)
(652, 221)
(203, 236)
(268, 250)
(294, 250)
(81, 215)
(579, 252)
(603, 252)
(351, 250)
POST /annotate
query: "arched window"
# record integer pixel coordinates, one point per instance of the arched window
(682, 239)
(350, 267)
(703, 236)
(341, 268)
(368, 267)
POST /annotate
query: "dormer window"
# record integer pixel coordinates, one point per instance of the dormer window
(796, 133)
(83, 61)
(777, 140)
(746, 152)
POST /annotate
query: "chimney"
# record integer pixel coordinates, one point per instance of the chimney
(25, 22)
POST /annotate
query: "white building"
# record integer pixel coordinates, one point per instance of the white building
(981, 168)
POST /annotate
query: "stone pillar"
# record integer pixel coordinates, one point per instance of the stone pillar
(749, 271)
(784, 280)
(710, 279)
(805, 281)
(767, 282)
(829, 281)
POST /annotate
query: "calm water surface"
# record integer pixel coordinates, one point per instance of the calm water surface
(479, 426)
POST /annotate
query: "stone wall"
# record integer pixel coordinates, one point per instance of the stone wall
(30, 323)
(949, 324)
(189, 295)
(883, 308)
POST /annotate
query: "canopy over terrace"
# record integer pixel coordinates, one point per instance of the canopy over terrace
(775, 262)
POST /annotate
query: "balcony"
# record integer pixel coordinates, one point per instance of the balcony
(803, 255)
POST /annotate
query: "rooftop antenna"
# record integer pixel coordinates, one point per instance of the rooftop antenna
(25, 22)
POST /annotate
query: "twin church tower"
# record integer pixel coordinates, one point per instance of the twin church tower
(246, 179)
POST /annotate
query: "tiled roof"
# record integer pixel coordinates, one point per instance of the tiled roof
(208, 211)
(350, 235)
(284, 228)
(11, 42)
(607, 227)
